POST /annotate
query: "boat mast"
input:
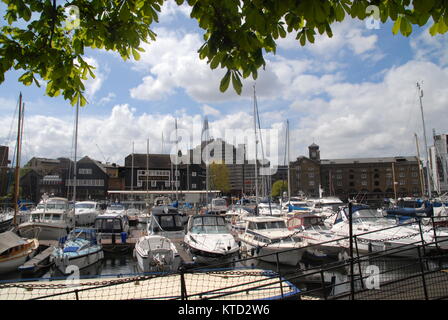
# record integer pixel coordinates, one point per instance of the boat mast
(147, 168)
(256, 149)
(17, 173)
(428, 173)
(132, 171)
(289, 173)
(176, 169)
(420, 169)
(76, 150)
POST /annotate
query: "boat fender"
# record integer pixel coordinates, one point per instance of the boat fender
(252, 251)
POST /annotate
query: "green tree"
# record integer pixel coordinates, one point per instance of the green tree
(219, 177)
(279, 187)
(40, 40)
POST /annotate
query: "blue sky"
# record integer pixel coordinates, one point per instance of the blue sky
(354, 95)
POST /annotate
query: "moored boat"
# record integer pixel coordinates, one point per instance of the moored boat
(15, 251)
(269, 239)
(51, 220)
(209, 240)
(80, 250)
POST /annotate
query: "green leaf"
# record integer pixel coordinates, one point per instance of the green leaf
(236, 82)
(396, 26)
(423, 5)
(135, 54)
(225, 81)
(405, 27)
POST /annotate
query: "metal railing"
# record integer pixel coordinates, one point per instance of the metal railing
(423, 274)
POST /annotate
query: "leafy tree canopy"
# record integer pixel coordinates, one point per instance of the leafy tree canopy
(279, 187)
(39, 38)
(219, 174)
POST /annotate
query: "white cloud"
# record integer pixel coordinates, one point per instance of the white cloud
(430, 48)
(349, 35)
(93, 85)
(207, 110)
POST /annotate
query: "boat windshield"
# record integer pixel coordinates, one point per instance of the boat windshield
(85, 206)
(108, 225)
(219, 202)
(268, 225)
(53, 205)
(115, 207)
(209, 225)
(168, 222)
(370, 214)
(283, 240)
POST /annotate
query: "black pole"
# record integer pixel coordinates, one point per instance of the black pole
(352, 279)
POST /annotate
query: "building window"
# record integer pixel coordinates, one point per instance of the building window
(402, 175)
(339, 183)
(153, 183)
(311, 183)
(167, 184)
(415, 174)
(364, 182)
(310, 175)
(351, 176)
(193, 186)
(339, 176)
(84, 171)
(193, 174)
(363, 176)
(402, 182)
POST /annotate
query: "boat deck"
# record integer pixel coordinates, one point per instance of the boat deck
(39, 261)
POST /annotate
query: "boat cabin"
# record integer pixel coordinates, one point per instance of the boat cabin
(208, 224)
(111, 223)
(305, 221)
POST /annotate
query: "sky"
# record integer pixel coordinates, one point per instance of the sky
(354, 95)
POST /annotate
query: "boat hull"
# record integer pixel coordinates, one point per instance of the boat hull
(43, 231)
(206, 257)
(85, 219)
(291, 258)
(12, 263)
(80, 261)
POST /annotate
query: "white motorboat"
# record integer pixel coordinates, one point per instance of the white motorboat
(156, 253)
(322, 241)
(6, 219)
(270, 209)
(112, 224)
(380, 235)
(235, 217)
(115, 209)
(80, 250)
(166, 221)
(326, 206)
(51, 220)
(209, 240)
(265, 235)
(297, 204)
(15, 251)
(86, 212)
(218, 206)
